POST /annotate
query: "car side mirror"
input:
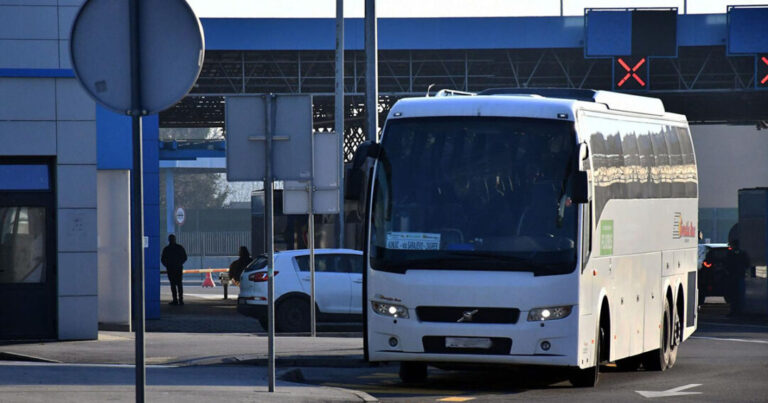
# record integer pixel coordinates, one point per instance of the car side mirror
(580, 188)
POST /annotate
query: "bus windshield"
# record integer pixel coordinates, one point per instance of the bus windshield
(475, 193)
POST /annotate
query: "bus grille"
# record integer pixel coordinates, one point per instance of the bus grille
(454, 314)
(436, 345)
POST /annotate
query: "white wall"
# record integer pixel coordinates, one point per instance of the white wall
(729, 158)
(114, 248)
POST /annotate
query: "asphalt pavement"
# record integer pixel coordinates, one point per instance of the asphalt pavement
(204, 350)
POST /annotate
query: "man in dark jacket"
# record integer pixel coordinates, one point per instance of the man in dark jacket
(173, 259)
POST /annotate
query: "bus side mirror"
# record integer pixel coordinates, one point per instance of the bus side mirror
(354, 182)
(580, 188)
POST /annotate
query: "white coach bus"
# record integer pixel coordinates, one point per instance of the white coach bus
(554, 228)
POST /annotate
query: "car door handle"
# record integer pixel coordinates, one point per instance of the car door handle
(305, 278)
(358, 281)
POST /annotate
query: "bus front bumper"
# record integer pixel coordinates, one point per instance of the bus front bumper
(529, 343)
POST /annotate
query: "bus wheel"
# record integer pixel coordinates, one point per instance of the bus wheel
(413, 372)
(676, 337)
(588, 377)
(658, 360)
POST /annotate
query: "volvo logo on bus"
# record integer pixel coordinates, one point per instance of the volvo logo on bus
(466, 316)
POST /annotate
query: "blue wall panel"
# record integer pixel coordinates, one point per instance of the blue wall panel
(394, 33)
(701, 29)
(747, 32)
(114, 139)
(608, 33)
(151, 132)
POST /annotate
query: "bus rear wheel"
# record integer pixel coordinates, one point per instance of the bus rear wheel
(662, 358)
(413, 372)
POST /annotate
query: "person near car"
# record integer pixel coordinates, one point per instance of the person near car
(173, 259)
(237, 267)
(736, 263)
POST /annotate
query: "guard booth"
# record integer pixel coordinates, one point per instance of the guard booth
(27, 250)
(753, 239)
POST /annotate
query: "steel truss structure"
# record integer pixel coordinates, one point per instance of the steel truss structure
(702, 82)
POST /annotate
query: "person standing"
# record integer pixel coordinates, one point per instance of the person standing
(237, 267)
(173, 259)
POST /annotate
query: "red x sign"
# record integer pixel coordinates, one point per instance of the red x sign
(765, 61)
(630, 72)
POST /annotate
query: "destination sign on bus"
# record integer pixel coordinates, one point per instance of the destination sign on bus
(413, 241)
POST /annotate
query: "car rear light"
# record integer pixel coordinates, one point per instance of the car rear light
(706, 264)
(259, 276)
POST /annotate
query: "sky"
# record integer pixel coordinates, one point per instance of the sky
(438, 8)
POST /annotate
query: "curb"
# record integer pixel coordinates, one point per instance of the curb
(294, 361)
(294, 375)
(7, 356)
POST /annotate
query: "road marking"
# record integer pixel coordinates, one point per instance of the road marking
(730, 339)
(391, 388)
(205, 296)
(678, 391)
(456, 399)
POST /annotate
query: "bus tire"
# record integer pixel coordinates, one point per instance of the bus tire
(658, 360)
(676, 337)
(588, 377)
(413, 372)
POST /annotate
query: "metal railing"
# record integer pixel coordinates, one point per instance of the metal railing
(214, 243)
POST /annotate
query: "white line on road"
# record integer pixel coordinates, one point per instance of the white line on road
(205, 296)
(731, 339)
(678, 391)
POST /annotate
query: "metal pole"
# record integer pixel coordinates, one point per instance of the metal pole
(339, 110)
(170, 205)
(310, 188)
(268, 191)
(137, 216)
(371, 70)
(561, 8)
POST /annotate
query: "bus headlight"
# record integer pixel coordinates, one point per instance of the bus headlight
(386, 309)
(549, 313)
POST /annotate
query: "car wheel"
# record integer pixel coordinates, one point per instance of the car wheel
(658, 360)
(293, 316)
(413, 372)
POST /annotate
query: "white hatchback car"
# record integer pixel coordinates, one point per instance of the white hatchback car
(338, 288)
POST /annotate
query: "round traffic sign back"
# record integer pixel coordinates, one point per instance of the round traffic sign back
(180, 216)
(171, 49)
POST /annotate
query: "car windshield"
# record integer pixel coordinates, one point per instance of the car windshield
(475, 193)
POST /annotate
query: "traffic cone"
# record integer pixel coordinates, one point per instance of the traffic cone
(208, 282)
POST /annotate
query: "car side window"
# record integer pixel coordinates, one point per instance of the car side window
(323, 263)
